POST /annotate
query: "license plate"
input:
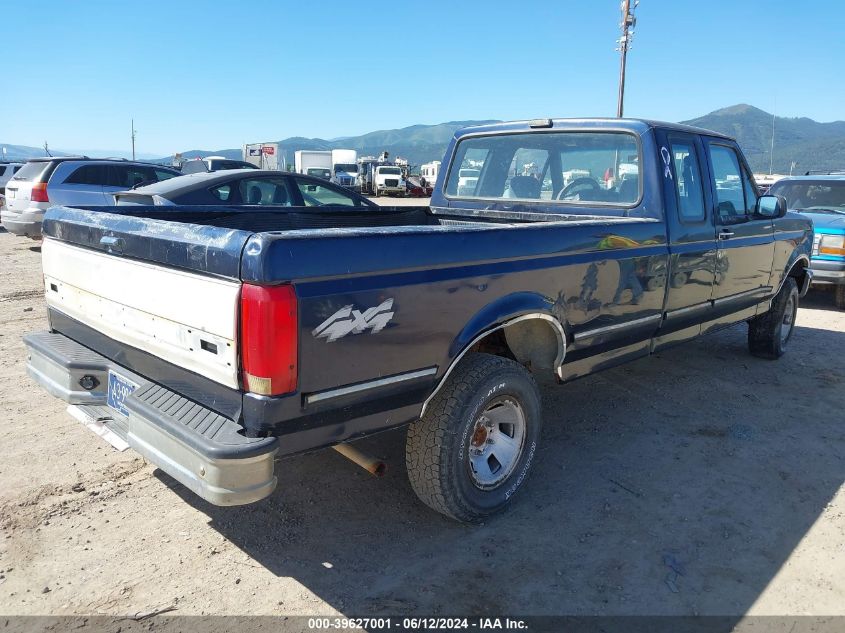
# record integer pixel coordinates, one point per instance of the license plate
(10, 193)
(119, 390)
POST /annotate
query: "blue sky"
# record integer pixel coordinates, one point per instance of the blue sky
(210, 75)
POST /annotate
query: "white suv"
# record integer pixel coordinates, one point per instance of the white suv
(77, 181)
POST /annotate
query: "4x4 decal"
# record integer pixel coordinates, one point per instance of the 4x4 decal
(349, 321)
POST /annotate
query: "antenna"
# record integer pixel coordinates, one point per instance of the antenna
(47, 149)
(629, 21)
(134, 131)
(772, 149)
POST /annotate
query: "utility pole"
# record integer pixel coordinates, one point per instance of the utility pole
(627, 25)
(133, 139)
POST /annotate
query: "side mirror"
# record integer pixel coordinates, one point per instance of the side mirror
(771, 206)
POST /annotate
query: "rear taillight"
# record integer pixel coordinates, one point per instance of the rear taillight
(269, 339)
(39, 192)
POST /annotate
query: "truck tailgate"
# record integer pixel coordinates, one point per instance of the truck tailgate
(186, 317)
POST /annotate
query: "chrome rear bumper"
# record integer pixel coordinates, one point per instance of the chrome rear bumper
(196, 446)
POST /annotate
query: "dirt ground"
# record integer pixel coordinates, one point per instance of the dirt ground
(699, 481)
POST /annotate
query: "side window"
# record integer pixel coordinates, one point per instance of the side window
(319, 195)
(731, 206)
(88, 175)
(194, 167)
(136, 175)
(163, 175)
(272, 191)
(222, 192)
(127, 176)
(688, 190)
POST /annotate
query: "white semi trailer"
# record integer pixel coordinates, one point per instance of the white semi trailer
(313, 163)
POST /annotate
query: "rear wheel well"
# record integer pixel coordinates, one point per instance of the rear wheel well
(535, 343)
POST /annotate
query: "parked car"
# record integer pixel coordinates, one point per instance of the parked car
(243, 187)
(248, 334)
(822, 198)
(415, 189)
(7, 170)
(214, 163)
(70, 180)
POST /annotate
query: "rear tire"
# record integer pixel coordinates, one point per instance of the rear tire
(769, 333)
(472, 450)
(840, 297)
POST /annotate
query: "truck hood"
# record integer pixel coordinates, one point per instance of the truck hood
(822, 220)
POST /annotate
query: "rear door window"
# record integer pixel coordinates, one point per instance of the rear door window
(128, 176)
(688, 188)
(265, 191)
(222, 192)
(162, 174)
(194, 167)
(88, 175)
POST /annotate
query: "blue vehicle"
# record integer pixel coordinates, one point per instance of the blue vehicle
(821, 196)
(214, 340)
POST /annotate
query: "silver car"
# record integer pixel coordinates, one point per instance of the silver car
(78, 181)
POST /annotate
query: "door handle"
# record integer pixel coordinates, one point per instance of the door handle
(725, 234)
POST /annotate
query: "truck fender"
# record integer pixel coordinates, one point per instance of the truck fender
(522, 310)
(796, 261)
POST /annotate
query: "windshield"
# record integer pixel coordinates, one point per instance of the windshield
(349, 168)
(811, 195)
(575, 168)
(390, 171)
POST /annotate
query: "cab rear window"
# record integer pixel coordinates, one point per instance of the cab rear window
(567, 168)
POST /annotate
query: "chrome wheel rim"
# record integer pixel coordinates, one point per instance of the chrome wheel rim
(788, 320)
(496, 441)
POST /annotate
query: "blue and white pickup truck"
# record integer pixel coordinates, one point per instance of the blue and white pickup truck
(216, 340)
(821, 197)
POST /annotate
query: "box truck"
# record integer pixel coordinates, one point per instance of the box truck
(345, 167)
(313, 163)
(264, 155)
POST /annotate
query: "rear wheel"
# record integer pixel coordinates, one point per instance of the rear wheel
(769, 333)
(840, 297)
(474, 447)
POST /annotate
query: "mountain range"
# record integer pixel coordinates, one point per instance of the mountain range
(810, 144)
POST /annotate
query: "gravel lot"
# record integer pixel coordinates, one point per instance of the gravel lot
(700, 481)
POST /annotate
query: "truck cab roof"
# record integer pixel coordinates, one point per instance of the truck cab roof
(637, 126)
